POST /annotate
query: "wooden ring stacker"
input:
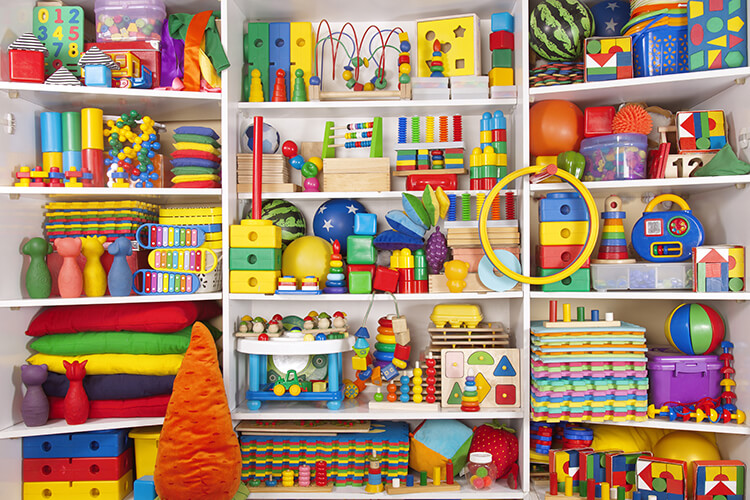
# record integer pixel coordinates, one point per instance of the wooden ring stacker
(545, 172)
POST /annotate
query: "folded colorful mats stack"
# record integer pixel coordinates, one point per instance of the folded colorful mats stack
(588, 373)
(196, 163)
(97, 218)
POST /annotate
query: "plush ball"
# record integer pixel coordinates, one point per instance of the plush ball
(694, 329)
(286, 216)
(610, 16)
(556, 126)
(334, 220)
(271, 139)
(307, 256)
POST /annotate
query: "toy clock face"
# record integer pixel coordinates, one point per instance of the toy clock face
(60, 29)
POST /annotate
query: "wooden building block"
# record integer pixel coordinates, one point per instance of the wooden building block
(356, 174)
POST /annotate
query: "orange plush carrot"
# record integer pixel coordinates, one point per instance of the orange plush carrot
(198, 455)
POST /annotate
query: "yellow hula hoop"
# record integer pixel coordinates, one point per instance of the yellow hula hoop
(576, 264)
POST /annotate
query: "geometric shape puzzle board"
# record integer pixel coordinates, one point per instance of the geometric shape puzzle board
(701, 130)
(496, 373)
(717, 34)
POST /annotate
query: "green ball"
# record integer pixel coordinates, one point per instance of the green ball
(404, 78)
(299, 73)
(309, 170)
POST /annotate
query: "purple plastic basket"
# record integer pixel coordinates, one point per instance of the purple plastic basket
(660, 50)
(682, 378)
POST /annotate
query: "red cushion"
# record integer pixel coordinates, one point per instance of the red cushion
(195, 153)
(152, 406)
(160, 317)
(197, 184)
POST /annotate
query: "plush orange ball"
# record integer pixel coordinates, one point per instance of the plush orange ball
(556, 126)
(632, 119)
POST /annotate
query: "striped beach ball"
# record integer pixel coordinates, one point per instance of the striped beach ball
(694, 329)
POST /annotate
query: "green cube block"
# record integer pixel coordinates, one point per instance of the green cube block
(502, 58)
(360, 282)
(579, 281)
(254, 259)
(601, 71)
(360, 249)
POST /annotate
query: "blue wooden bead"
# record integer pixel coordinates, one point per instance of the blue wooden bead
(405, 46)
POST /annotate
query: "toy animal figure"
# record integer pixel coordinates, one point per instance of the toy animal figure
(38, 278)
(94, 277)
(76, 401)
(35, 405)
(120, 277)
(456, 271)
(70, 278)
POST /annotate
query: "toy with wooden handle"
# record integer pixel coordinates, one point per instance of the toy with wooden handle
(94, 277)
(38, 277)
(120, 277)
(70, 278)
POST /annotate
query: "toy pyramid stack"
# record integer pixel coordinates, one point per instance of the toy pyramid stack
(502, 44)
(587, 370)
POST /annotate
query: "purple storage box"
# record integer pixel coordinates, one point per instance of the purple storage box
(682, 378)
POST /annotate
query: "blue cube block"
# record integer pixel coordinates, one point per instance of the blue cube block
(97, 75)
(624, 59)
(715, 285)
(389, 372)
(501, 21)
(72, 159)
(365, 224)
(718, 142)
(562, 207)
(78, 445)
(144, 488)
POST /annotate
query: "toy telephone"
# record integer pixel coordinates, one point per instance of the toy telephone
(667, 236)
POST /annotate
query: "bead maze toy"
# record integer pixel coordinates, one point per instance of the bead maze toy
(357, 60)
(355, 174)
(487, 372)
(572, 364)
(667, 236)
(716, 479)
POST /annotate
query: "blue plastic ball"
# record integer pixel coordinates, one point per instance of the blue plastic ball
(334, 220)
(297, 161)
(405, 46)
(271, 138)
(314, 80)
(610, 16)
(321, 336)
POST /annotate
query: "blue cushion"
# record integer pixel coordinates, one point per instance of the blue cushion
(194, 162)
(197, 130)
(393, 240)
(399, 221)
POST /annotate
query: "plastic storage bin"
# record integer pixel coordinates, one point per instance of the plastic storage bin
(615, 157)
(146, 444)
(129, 20)
(642, 276)
(660, 50)
(682, 378)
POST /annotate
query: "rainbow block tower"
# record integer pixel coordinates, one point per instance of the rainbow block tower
(82, 465)
(613, 248)
(502, 44)
(563, 230)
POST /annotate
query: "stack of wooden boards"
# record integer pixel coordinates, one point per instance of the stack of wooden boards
(276, 174)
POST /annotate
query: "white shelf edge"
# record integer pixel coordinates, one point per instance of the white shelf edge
(346, 297)
(729, 428)
(59, 426)
(132, 299)
(642, 295)
(105, 191)
(361, 195)
(110, 92)
(359, 104)
(696, 182)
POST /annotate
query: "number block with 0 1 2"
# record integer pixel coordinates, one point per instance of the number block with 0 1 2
(683, 165)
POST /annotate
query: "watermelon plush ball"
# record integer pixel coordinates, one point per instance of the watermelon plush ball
(557, 29)
(502, 443)
(286, 216)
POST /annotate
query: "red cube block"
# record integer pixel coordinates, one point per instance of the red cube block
(402, 352)
(557, 256)
(501, 40)
(385, 279)
(26, 66)
(360, 267)
(597, 121)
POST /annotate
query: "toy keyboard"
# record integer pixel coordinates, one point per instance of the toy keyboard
(154, 236)
(183, 260)
(147, 282)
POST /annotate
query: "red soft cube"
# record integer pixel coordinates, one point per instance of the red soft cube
(597, 121)
(26, 66)
(402, 352)
(501, 40)
(385, 279)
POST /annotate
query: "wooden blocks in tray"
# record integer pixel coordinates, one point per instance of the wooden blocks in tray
(276, 174)
(356, 174)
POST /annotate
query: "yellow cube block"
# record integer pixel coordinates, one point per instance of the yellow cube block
(563, 233)
(675, 470)
(50, 160)
(359, 364)
(146, 441)
(502, 160)
(501, 77)
(252, 233)
(730, 472)
(253, 281)
(319, 386)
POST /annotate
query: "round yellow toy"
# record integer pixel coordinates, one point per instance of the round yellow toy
(307, 256)
(688, 446)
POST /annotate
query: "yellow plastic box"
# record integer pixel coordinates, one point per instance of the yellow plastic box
(252, 233)
(146, 441)
(563, 233)
(253, 281)
(79, 490)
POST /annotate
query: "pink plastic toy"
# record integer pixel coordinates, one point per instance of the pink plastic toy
(70, 279)
(76, 400)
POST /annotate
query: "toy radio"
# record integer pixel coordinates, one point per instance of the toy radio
(667, 236)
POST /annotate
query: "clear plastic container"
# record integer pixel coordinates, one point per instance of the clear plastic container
(129, 20)
(481, 470)
(642, 276)
(615, 157)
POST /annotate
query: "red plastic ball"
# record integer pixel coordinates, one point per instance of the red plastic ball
(555, 126)
(263, 336)
(289, 149)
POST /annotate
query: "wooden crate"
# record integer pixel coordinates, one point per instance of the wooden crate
(356, 174)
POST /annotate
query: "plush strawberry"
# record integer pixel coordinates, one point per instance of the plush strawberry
(502, 443)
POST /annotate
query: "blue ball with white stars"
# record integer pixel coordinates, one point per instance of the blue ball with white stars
(610, 16)
(334, 220)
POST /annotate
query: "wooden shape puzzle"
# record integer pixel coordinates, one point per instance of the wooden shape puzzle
(662, 478)
(494, 390)
(564, 464)
(621, 471)
(608, 58)
(715, 479)
(701, 130)
(459, 38)
(719, 268)
(717, 34)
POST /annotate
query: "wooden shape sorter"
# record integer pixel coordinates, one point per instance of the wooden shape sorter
(661, 478)
(717, 34)
(713, 479)
(701, 130)
(459, 37)
(495, 371)
(608, 58)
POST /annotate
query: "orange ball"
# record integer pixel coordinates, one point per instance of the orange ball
(555, 126)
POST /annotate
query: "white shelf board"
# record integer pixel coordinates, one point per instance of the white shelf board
(658, 423)
(357, 409)
(498, 490)
(161, 105)
(643, 295)
(173, 6)
(361, 195)
(677, 90)
(348, 297)
(353, 108)
(93, 424)
(132, 299)
(177, 195)
(681, 185)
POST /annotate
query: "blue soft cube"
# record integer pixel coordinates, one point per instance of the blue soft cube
(501, 21)
(97, 75)
(144, 489)
(365, 224)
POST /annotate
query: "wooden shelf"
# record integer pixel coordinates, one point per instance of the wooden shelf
(93, 424)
